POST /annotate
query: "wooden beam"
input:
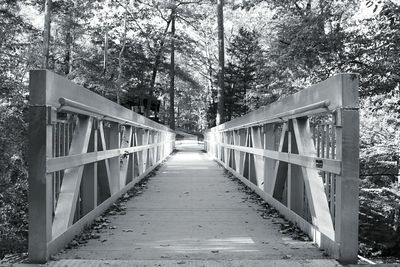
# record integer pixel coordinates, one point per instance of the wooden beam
(66, 205)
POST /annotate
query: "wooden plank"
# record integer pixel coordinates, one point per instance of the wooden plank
(316, 196)
(65, 210)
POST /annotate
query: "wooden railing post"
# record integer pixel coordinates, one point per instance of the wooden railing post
(40, 141)
(347, 191)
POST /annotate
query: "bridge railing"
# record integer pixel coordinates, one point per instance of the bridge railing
(85, 151)
(301, 154)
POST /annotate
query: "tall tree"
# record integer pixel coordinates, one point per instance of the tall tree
(46, 33)
(120, 56)
(221, 70)
(172, 74)
(242, 73)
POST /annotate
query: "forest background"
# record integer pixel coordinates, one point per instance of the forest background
(121, 49)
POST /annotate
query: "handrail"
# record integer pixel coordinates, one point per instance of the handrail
(68, 105)
(284, 116)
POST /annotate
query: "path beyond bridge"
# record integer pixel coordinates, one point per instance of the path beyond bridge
(192, 214)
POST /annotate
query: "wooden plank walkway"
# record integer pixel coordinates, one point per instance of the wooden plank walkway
(192, 214)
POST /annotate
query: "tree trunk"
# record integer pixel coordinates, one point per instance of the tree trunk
(172, 76)
(69, 40)
(105, 55)
(46, 33)
(68, 43)
(221, 70)
(158, 57)
(120, 59)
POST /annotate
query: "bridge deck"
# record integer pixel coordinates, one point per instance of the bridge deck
(191, 212)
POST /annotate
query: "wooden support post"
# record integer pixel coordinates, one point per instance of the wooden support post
(347, 203)
(40, 183)
(89, 177)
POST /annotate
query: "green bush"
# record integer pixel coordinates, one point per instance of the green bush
(13, 176)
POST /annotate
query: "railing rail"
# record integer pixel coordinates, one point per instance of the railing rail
(85, 152)
(301, 154)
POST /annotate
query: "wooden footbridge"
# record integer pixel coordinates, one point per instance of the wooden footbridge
(300, 155)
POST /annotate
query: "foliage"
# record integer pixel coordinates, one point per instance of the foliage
(244, 63)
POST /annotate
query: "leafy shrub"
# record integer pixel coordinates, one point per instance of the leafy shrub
(13, 175)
